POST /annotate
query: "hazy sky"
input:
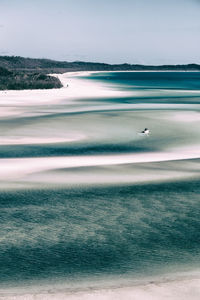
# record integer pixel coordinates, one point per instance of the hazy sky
(113, 31)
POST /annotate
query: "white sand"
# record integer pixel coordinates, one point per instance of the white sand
(15, 103)
(37, 140)
(180, 116)
(22, 103)
(183, 289)
(25, 103)
(20, 167)
(73, 89)
(83, 88)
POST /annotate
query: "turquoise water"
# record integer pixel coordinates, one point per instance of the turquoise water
(151, 80)
(107, 221)
(65, 234)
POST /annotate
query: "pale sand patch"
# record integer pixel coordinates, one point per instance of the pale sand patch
(19, 140)
(85, 88)
(16, 103)
(7, 111)
(185, 117)
(31, 97)
(172, 290)
(111, 176)
(180, 116)
(72, 89)
(19, 167)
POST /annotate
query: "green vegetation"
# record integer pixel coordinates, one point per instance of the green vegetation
(23, 80)
(27, 73)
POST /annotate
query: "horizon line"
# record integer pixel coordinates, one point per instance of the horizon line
(97, 62)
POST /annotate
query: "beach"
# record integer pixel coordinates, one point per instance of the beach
(178, 289)
(90, 204)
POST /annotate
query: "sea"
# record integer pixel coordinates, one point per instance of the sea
(108, 207)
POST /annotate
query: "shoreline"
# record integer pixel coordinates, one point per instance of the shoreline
(174, 162)
(74, 88)
(169, 286)
(12, 102)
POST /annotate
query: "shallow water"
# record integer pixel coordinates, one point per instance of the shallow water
(84, 197)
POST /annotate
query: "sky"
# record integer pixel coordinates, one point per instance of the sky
(112, 31)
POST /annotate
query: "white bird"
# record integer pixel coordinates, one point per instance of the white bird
(145, 132)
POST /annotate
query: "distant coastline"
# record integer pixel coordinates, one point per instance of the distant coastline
(19, 73)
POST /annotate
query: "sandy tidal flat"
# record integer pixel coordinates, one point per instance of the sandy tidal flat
(83, 193)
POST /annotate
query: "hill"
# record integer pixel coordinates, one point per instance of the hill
(47, 65)
(31, 73)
